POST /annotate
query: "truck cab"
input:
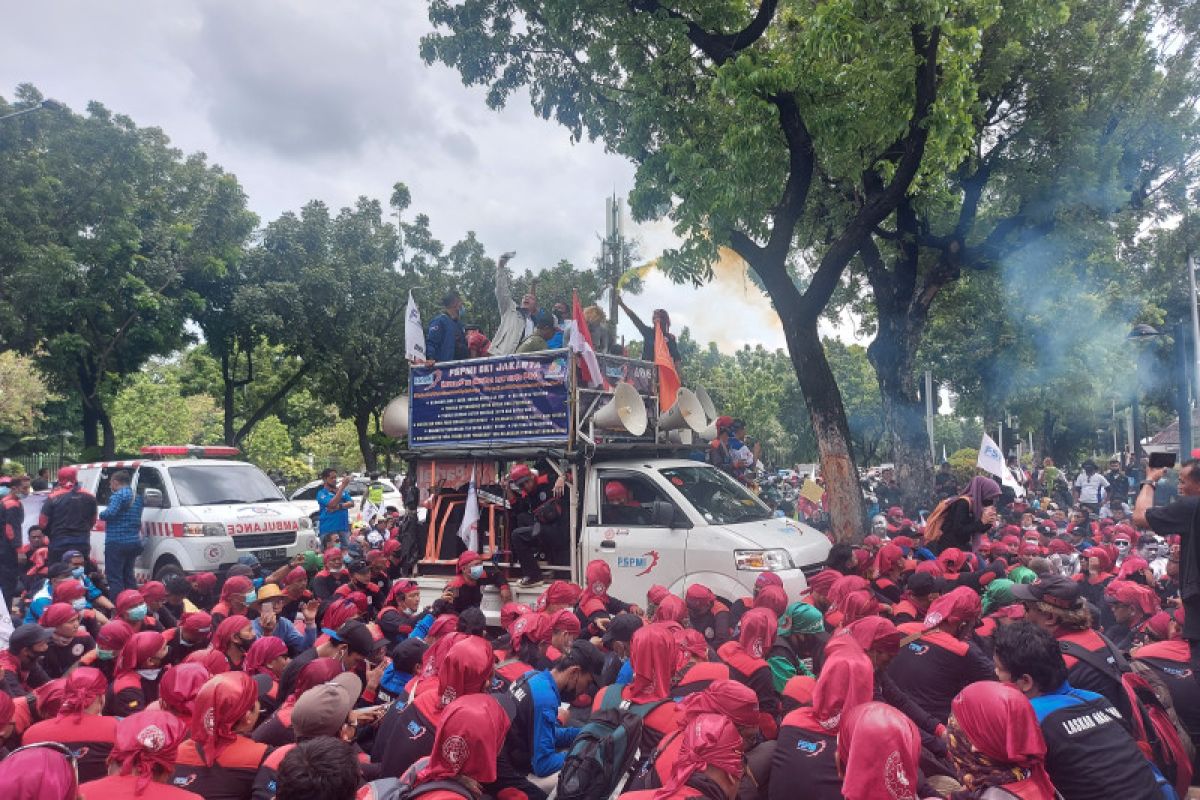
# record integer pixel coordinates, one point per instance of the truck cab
(201, 514)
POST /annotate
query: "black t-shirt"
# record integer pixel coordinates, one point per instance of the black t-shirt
(935, 668)
(405, 735)
(1118, 485)
(292, 671)
(1180, 518)
(1089, 754)
(806, 763)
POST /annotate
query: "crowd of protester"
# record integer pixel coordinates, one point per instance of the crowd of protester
(996, 651)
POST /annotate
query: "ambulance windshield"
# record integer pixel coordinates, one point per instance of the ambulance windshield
(223, 484)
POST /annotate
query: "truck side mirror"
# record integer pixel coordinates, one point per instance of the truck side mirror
(153, 498)
(662, 514)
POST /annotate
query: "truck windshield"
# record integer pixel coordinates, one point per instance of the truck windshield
(222, 484)
(719, 498)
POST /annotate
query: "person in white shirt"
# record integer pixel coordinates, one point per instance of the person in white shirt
(1090, 486)
(515, 322)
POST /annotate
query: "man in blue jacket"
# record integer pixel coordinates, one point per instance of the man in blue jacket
(446, 339)
(536, 742)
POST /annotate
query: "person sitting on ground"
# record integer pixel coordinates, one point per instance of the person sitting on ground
(22, 661)
(142, 760)
(219, 761)
(801, 635)
(654, 654)
(536, 741)
(708, 615)
(595, 606)
(277, 730)
(710, 764)
(79, 723)
(878, 749)
(136, 676)
(69, 641)
(995, 743)
(178, 689)
(44, 771)
(1089, 753)
(265, 661)
(746, 659)
(465, 589)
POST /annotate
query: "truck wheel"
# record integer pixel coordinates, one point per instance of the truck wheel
(165, 568)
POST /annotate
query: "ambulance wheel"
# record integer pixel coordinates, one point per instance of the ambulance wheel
(166, 567)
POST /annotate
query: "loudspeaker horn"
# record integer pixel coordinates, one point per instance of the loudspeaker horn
(709, 433)
(625, 412)
(686, 413)
(710, 408)
(395, 417)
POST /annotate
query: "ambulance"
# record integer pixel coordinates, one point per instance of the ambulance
(202, 511)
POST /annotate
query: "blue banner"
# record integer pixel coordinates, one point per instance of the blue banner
(491, 401)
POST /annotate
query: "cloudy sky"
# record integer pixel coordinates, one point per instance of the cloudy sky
(330, 100)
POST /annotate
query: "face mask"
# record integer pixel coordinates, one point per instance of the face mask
(150, 674)
(251, 596)
(243, 644)
(137, 613)
(476, 572)
(79, 605)
(77, 572)
(106, 655)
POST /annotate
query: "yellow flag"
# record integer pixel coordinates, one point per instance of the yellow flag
(812, 491)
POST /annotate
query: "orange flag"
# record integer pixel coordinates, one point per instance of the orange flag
(668, 378)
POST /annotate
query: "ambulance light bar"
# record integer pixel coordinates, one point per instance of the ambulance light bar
(191, 451)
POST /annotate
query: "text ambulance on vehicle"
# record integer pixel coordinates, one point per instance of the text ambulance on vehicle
(687, 521)
(201, 511)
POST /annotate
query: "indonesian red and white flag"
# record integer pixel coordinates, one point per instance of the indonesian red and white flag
(581, 343)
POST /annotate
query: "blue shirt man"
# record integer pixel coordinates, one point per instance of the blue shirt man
(335, 503)
(122, 533)
(446, 339)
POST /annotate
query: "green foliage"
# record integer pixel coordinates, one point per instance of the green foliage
(334, 446)
(269, 444)
(962, 464)
(151, 410)
(23, 393)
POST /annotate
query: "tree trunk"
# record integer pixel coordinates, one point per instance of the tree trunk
(362, 421)
(109, 448)
(271, 402)
(227, 432)
(892, 354)
(831, 429)
(91, 417)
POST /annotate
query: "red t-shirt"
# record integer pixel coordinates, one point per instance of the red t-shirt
(122, 787)
(91, 738)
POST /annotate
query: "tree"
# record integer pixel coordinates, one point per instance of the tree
(269, 444)
(151, 410)
(23, 393)
(99, 247)
(1082, 113)
(334, 446)
(735, 116)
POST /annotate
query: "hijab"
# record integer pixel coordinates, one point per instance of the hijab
(708, 740)
(730, 698)
(178, 689)
(842, 587)
(846, 681)
(952, 560)
(869, 633)
(560, 593)
(878, 749)
(262, 653)
(509, 613)
(467, 669)
(147, 740)
(801, 618)
(39, 773)
(82, 687)
(143, 645)
(468, 741)
(653, 654)
(759, 627)
(220, 706)
(954, 608)
(229, 628)
(598, 577)
(886, 559)
(979, 490)
(671, 609)
(858, 605)
(772, 597)
(997, 595)
(994, 739)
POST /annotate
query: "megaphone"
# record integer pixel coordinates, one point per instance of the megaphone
(686, 413)
(395, 417)
(709, 433)
(625, 412)
(710, 408)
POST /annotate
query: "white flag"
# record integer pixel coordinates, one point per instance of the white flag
(468, 531)
(992, 460)
(414, 332)
(369, 511)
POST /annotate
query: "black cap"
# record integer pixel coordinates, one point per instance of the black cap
(358, 567)
(407, 655)
(1056, 590)
(58, 570)
(27, 636)
(921, 584)
(359, 639)
(621, 628)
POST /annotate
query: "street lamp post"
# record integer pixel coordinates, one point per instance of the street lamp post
(49, 105)
(1183, 405)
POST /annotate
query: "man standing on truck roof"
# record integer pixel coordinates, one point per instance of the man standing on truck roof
(122, 533)
(446, 339)
(540, 522)
(335, 503)
(68, 517)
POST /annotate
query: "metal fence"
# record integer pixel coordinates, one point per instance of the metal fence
(32, 462)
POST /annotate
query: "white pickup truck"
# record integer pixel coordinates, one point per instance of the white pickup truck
(689, 522)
